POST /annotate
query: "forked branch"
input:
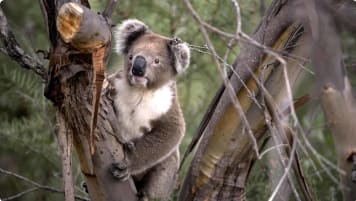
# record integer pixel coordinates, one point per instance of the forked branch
(13, 49)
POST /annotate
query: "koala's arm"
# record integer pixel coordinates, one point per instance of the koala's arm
(156, 145)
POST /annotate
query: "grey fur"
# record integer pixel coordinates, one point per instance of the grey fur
(153, 155)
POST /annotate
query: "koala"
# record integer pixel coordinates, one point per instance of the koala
(151, 122)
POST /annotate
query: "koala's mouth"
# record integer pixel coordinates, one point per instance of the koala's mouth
(140, 81)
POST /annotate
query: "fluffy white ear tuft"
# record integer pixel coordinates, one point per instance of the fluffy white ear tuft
(182, 55)
(127, 32)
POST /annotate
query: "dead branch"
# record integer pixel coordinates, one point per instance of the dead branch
(65, 142)
(79, 26)
(15, 52)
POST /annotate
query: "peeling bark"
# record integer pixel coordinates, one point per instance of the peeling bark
(69, 88)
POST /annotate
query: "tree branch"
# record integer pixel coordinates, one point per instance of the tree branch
(48, 11)
(65, 142)
(35, 184)
(85, 32)
(12, 197)
(109, 8)
(15, 52)
(227, 83)
(225, 145)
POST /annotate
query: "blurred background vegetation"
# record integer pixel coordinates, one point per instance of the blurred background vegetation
(28, 144)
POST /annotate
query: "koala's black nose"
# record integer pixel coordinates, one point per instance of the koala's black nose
(139, 66)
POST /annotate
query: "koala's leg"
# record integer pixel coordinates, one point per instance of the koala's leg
(159, 181)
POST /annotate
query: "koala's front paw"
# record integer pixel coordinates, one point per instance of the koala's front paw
(119, 171)
(182, 54)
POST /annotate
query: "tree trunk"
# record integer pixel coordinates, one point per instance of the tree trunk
(69, 87)
(226, 153)
(336, 95)
(339, 109)
(222, 162)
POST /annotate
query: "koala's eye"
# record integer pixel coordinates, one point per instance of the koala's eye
(130, 57)
(156, 60)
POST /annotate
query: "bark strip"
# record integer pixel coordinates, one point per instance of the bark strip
(65, 141)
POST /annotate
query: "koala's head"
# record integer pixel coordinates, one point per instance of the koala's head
(150, 60)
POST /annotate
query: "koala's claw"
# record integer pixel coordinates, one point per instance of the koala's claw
(130, 146)
(176, 41)
(119, 171)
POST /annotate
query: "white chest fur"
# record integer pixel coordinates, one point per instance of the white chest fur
(137, 108)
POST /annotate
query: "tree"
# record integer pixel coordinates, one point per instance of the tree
(231, 130)
(235, 128)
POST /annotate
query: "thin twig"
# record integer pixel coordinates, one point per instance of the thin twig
(245, 38)
(271, 149)
(225, 64)
(227, 83)
(241, 36)
(275, 114)
(12, 197)
(14, 51)
(238, 16)
(36, 185)
(238, 30)
(287, 167)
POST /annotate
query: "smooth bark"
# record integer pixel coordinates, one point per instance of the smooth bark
(336, 95)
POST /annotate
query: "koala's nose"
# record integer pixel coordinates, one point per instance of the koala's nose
(139, 66)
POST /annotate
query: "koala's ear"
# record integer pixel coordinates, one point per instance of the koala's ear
(181, 54)
(126, 32)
